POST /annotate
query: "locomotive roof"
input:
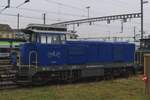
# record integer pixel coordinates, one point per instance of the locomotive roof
(45, 29)
(43, 32)
(46, 26)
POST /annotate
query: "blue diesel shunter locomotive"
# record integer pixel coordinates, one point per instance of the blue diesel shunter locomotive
(48, 56)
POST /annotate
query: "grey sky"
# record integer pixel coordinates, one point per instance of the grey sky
(62, 10)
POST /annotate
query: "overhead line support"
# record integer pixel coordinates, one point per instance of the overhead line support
(104, 18)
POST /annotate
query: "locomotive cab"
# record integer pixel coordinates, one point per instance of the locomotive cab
(32, 54)
(46, 34)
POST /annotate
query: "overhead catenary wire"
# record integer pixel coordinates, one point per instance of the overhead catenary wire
(114, 4)
(23, 16)
(121, 2)
(60, 13)
(26, 1)
(5, 7)
(65, 5)
(51, 12)
(48, 12)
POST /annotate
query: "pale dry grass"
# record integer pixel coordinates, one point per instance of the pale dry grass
(120, 89)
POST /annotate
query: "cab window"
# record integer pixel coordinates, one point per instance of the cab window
(49, 39)
(43, 39)
(56, 39)
(52, 39)
(63, 38)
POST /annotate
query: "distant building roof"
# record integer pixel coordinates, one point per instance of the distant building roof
(12, 40)
(5, 27)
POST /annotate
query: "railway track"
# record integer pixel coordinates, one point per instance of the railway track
(7, 77)
(7, 85)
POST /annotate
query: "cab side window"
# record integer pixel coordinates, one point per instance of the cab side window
(49, 39)
(56, 39)
(43, 39)
(52, 39)
(63, 39)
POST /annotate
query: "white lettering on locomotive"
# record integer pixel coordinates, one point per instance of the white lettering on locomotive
(54, 54)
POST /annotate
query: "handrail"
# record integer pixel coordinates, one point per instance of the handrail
(30, 53)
